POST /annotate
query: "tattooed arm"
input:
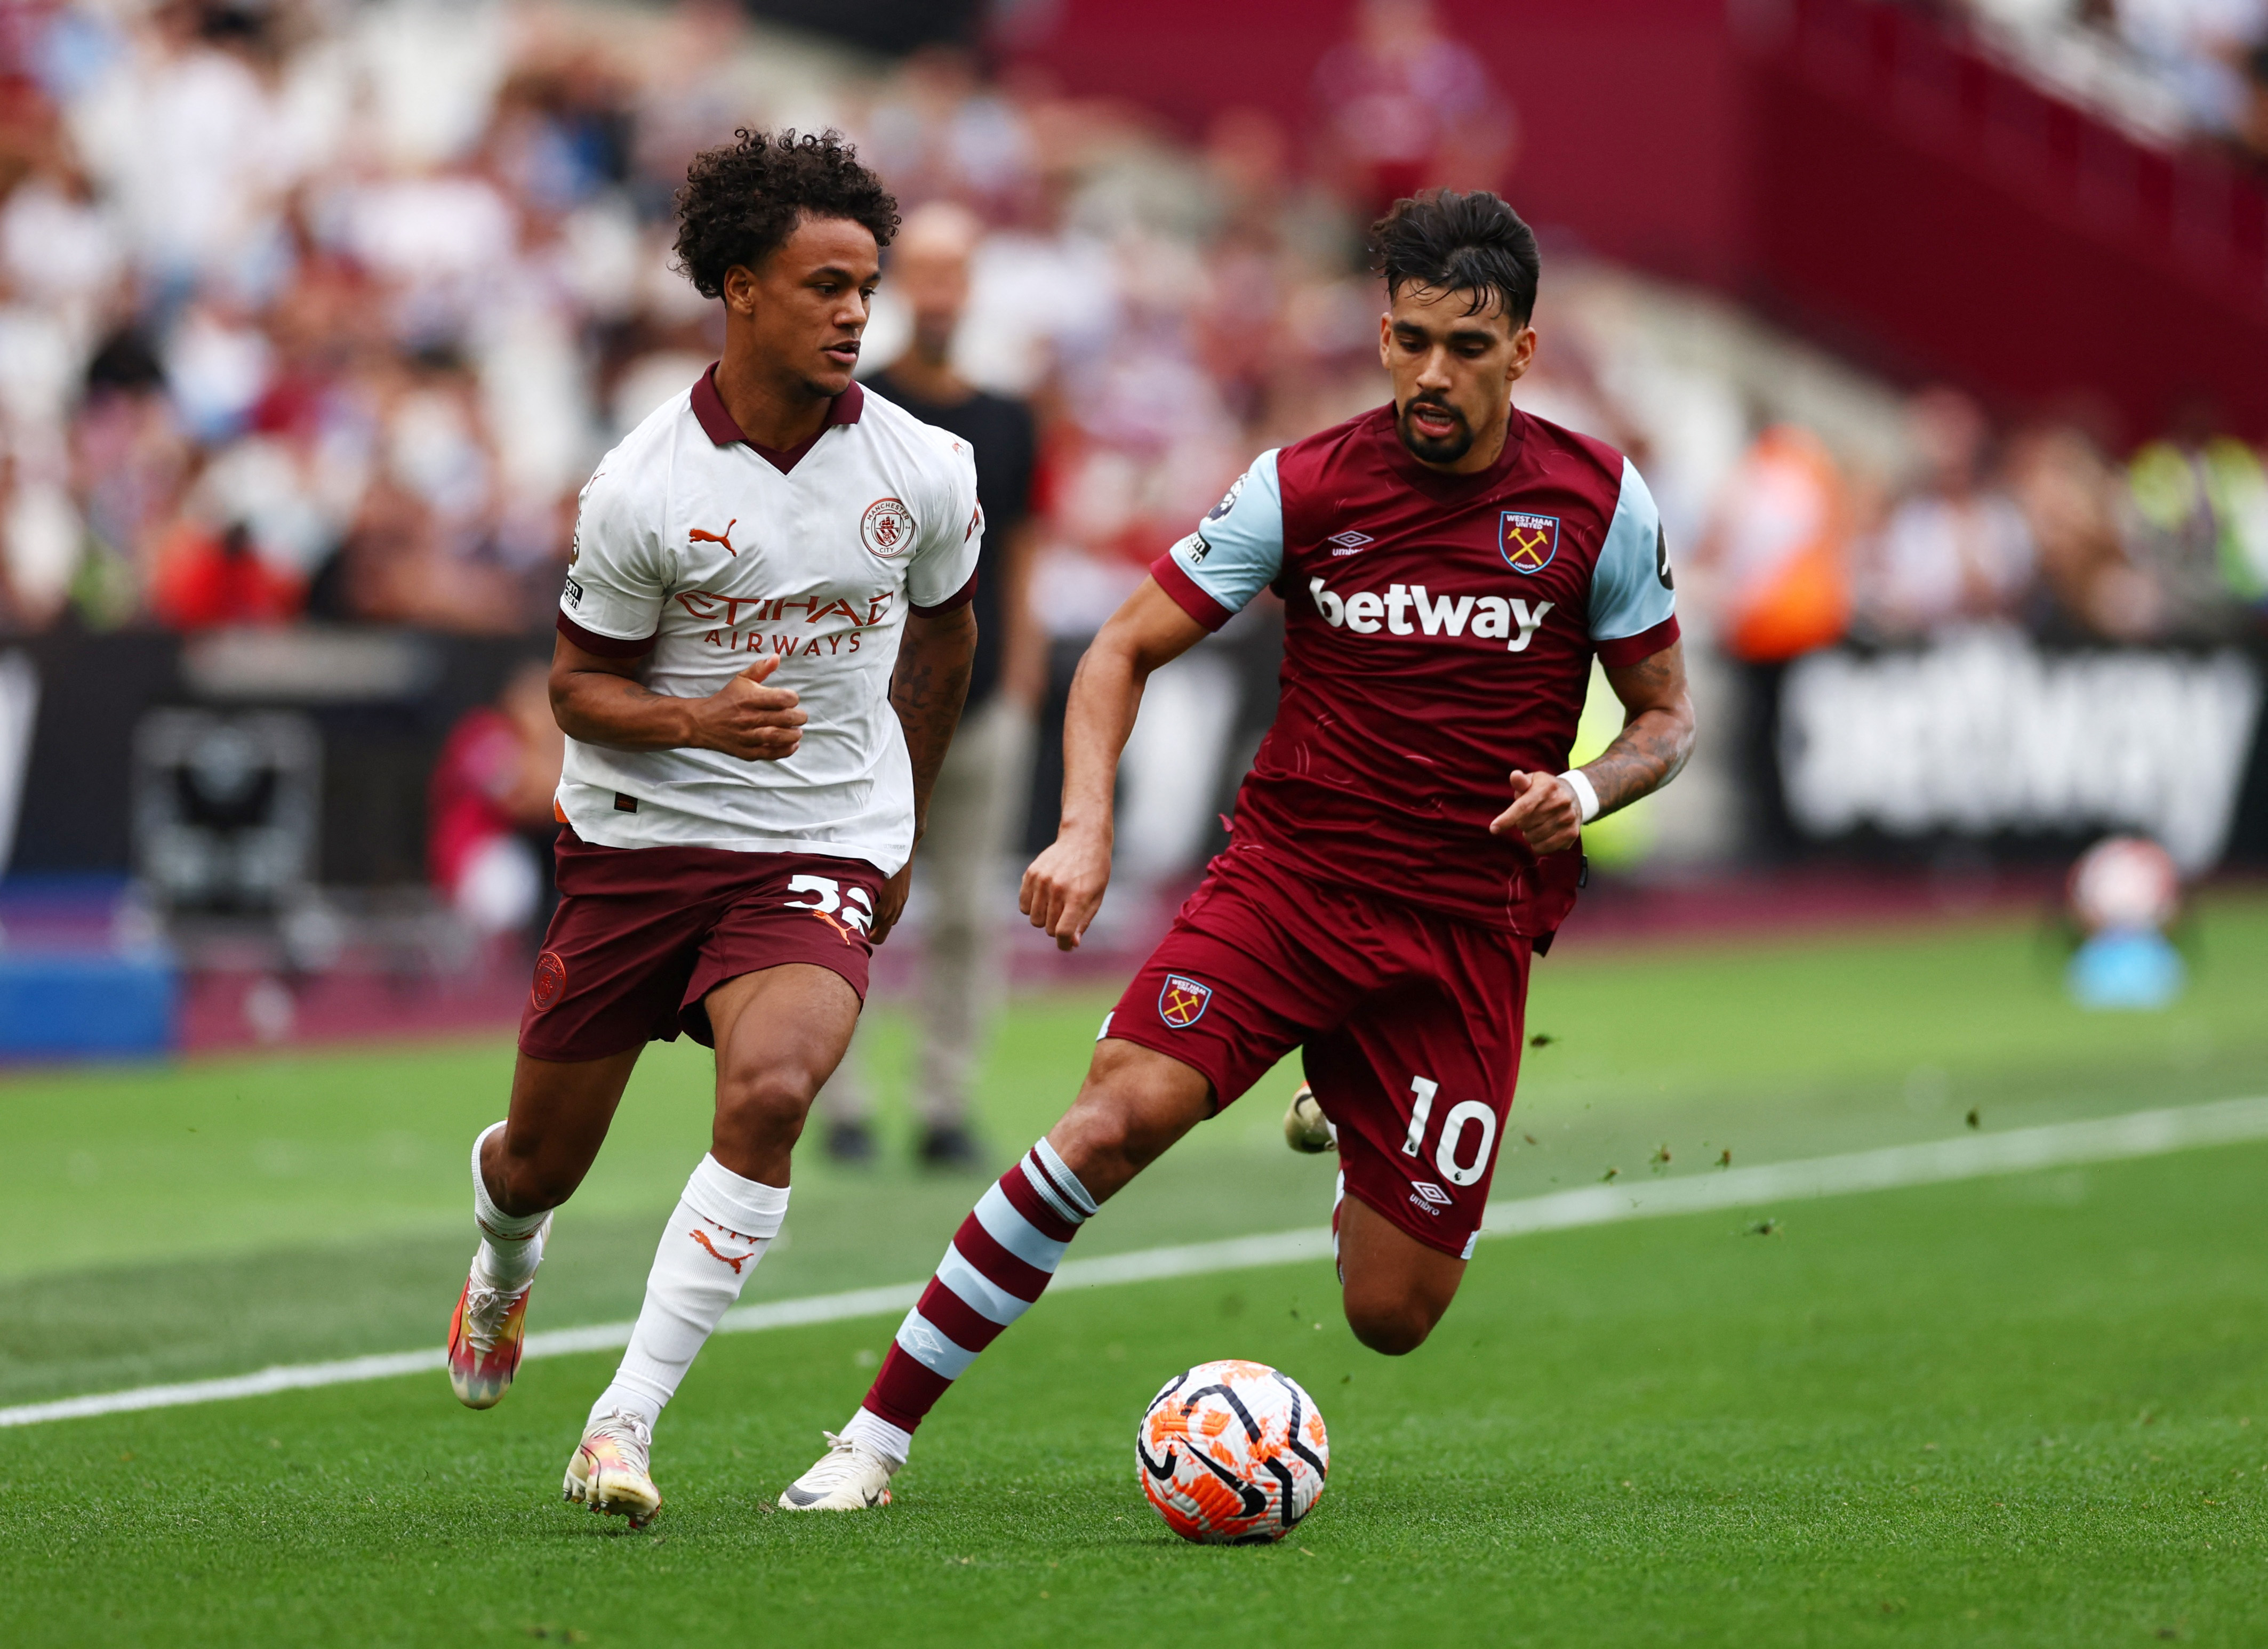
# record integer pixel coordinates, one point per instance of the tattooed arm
(1656, 738)
(927, 690)
(601, 700)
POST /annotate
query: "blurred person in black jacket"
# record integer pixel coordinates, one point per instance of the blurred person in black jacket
(981, 792)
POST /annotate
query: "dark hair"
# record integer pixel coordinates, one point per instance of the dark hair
(742, 200)
(1459, 243)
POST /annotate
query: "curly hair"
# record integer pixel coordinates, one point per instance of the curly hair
(742, 200)
(1459, 243)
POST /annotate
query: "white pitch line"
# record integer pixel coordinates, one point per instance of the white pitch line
(1964, 1157)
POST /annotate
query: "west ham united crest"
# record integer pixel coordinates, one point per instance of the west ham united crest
(1181, 1001)
(1528, 541)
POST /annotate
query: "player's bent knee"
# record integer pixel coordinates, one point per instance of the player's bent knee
(1391, 1328)
(1133, 1105)
(771, 1100)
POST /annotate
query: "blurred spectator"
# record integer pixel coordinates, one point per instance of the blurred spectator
(1957, 548)
(490, 821)
(2202, 497)
(980, 795)
(1774, 565)
(1404, 108)
(2069, 493)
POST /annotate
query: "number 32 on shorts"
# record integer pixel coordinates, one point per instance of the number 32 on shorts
(1450, 1147)
(828, 901)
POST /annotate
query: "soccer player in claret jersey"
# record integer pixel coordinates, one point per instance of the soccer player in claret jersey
(1404, 843)
(763, 646)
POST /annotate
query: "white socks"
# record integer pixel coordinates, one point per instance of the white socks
(720, 1230)
(512, 1245)
(893, 1443)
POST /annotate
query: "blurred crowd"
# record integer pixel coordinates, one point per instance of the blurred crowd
(317, 308)
(2167, 68)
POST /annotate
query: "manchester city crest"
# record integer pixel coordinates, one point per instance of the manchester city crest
(1528, 541)
(1181, 1001)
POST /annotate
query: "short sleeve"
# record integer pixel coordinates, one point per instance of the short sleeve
(1633, 610)
(943, 573)
(1235, 553)
(615, 582)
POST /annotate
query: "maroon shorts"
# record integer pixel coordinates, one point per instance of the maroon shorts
(1408, 1024)
(642, 934)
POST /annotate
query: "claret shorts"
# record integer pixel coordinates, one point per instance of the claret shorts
(642, 934)
(1409, 1024)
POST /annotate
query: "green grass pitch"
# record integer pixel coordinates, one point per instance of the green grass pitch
(2028, 1409)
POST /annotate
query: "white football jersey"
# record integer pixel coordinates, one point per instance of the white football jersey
(701, 552)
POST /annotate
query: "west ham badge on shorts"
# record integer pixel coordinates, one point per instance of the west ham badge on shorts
(1181, 1001)
(1528, 541)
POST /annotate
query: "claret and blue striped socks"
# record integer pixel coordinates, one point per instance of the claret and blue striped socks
(999, 1262)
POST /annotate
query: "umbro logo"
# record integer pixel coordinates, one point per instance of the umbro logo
(1431, 1192)
(1348, 542)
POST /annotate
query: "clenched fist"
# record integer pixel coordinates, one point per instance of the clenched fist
(746, 719)
(1544, 812)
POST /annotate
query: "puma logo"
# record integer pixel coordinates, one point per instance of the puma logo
(848, 934)
(734, 1260)
(724, 538)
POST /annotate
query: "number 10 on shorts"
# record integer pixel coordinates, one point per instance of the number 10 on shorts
(1446, 1151)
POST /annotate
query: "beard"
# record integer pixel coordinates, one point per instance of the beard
(1433, 449)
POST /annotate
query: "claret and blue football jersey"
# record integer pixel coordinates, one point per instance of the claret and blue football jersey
(1439, 631)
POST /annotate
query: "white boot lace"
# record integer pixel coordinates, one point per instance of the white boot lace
(633, 1434)
(485, 1310)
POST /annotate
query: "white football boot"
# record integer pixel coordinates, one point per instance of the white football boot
(1306, 1128)
(609, 1470)
(848, 1478)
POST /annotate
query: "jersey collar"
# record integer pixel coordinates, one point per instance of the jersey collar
(717, 425)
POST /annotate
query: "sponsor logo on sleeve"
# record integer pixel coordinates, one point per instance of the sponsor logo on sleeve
(1662, 560)
(1528, 541)
(887, 528)
(1228, 499)
(574, 593)
(1182, 1001)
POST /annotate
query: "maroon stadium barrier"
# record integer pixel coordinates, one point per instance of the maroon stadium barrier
(1850, 163)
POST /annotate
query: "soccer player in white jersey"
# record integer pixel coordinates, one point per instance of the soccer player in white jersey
(763, 646)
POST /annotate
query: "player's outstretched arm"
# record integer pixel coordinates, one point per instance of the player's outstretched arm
(1063, 887)
(600, 701)
(927, 689)
(1656, 738)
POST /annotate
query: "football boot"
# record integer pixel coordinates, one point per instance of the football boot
(485, 1336)
(848, 1477)
(1306, 1128)
(609, 1470)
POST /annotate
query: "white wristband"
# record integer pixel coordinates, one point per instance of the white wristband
(1585, 797)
